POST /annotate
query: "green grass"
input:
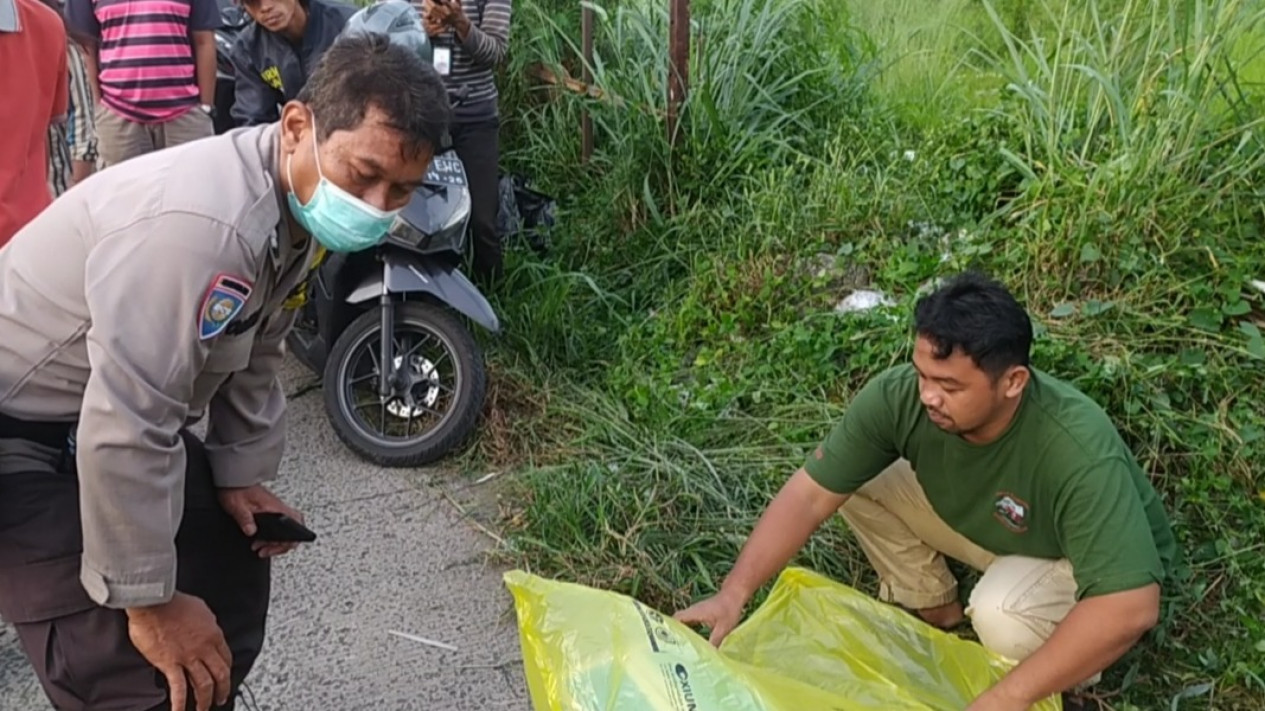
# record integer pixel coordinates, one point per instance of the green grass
(677, 355)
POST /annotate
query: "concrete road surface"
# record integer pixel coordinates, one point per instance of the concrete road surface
(393, 554)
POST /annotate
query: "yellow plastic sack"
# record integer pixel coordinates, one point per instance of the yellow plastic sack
(814, 644)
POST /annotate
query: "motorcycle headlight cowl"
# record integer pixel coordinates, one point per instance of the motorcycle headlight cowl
(436, 225)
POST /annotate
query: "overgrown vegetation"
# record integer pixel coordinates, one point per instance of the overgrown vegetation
(678, 354)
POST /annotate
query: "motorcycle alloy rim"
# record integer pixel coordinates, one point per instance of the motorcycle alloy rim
(423, 372)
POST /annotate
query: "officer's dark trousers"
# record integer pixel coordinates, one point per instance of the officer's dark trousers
(81, 651)
(477, 143)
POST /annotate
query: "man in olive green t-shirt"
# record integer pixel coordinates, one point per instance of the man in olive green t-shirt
(972, 453)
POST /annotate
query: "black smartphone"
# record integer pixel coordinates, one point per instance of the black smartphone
(281, 528)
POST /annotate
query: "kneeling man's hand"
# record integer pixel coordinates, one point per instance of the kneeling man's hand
(720, 612)
(995, 700)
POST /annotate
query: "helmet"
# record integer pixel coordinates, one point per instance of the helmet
(396, 19)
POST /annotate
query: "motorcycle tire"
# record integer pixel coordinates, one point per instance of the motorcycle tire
(471, 387)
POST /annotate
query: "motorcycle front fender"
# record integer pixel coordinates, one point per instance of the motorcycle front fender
(403, 274)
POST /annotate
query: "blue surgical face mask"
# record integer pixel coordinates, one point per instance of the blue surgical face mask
(337, 219)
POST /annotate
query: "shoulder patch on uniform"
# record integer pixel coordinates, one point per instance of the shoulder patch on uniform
(224, 299)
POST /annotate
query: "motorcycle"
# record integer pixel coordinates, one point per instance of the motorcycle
(402, 377)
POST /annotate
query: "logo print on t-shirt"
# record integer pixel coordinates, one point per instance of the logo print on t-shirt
(1012, 511)
(272, 77)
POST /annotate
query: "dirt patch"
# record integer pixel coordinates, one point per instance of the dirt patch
(517, 425)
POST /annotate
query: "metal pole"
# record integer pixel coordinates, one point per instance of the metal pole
(586, 121)
(679, 62)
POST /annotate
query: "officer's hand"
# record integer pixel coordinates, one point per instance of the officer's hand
(720, 612)
(181, 638)
(244, 502)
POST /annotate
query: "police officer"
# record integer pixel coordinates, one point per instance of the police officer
(275, 54)
(139, 302)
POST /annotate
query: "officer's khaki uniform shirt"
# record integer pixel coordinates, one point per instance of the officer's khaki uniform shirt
(142, 298)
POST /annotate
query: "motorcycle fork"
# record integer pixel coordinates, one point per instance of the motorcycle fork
(386, 356)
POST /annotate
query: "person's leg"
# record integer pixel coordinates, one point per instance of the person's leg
(477, 143)
(1018, 603)
(118, 138)
(906, 543)
(82, 652)
(189, 126)
(217, 565)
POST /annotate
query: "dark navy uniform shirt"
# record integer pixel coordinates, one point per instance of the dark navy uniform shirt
(271, 70)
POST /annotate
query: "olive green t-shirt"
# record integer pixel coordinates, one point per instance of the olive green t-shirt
(1059, 483)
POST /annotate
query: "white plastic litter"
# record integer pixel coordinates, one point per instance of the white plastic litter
(863, 300)
(423, 640)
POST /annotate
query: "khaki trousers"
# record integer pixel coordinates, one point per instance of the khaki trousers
(120, 138)
(1018, 601)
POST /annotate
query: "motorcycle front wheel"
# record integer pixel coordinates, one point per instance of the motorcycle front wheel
(438, 384)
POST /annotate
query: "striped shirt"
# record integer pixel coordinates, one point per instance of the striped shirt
(75, 140)
(145, 52)
(471, 81)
